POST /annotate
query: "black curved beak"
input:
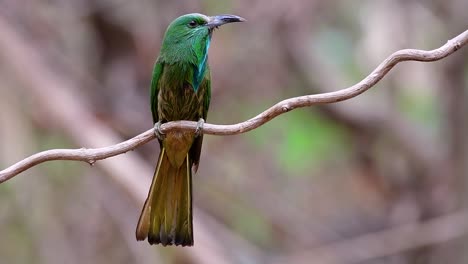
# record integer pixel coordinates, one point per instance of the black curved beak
(219, 20)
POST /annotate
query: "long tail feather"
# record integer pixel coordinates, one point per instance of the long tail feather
(166, 217)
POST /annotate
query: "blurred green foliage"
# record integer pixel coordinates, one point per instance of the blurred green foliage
(421, 107)
(303, 140)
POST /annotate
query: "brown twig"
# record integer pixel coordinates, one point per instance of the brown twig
(92, 155)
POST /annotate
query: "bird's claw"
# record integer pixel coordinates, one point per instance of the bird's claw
(199, 129)
(157, 131)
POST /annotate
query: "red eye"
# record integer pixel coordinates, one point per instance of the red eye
(192, 23)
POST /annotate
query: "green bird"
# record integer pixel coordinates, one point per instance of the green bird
(180, 90)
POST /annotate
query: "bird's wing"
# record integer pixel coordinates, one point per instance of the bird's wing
(157, 71)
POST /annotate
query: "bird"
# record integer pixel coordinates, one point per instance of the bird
(180, 90)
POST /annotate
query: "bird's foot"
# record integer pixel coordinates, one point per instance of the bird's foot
(199, 129)
(157, 131)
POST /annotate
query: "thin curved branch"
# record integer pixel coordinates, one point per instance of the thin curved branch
(92, 155)
(83, 154)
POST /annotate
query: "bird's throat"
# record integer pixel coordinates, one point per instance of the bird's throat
(201, 67)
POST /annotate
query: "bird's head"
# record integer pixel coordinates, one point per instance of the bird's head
(193, 31)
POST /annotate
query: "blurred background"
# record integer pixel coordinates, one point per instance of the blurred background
(380, 178)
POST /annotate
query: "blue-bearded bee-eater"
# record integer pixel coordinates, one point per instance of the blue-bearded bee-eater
(180, 90)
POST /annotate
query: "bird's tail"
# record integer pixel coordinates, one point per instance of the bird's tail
(166, 217)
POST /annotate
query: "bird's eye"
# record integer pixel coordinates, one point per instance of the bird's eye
(192, 23)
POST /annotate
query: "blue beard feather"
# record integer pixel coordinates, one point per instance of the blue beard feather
(200, 71)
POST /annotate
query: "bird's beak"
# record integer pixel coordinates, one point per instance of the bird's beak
(216, 21)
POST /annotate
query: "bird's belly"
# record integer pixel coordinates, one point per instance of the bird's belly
(183, 104)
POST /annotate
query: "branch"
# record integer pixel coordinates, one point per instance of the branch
(87, 155)
(92, 155)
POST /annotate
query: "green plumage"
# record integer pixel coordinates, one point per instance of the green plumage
(180, 90)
